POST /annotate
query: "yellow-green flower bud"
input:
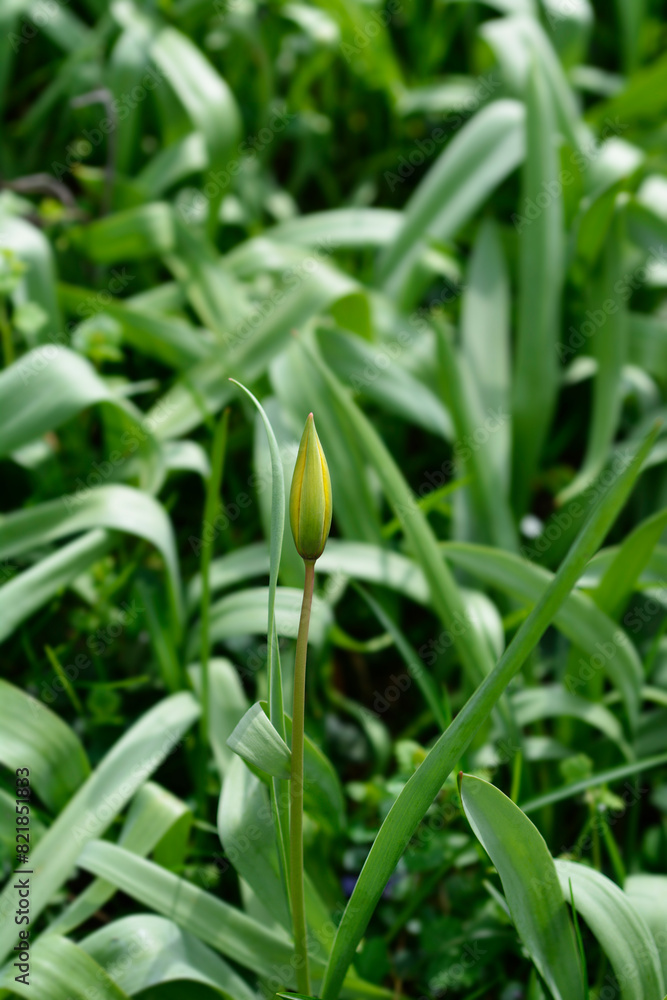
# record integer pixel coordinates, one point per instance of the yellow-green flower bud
(310, 497)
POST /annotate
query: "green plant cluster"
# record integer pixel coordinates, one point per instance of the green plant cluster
(441, 226)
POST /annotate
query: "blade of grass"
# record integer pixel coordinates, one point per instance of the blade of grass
(602, 778)
(619, 927)
(609, 347)
(153, 813)
(167, 953)
(57, 760)
(92, 809)
(279, 801)
(485, 338)
(487, 148)
(21, 596)
(415, 666)
(527, 872)
(535, 377)
(462, 397)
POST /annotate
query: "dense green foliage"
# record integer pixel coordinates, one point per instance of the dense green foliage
(442, 227)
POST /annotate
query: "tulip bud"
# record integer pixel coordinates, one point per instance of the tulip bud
(310, 497)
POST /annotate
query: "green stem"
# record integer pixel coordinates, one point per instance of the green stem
(6, 333)
(296, 789)
(211, 506)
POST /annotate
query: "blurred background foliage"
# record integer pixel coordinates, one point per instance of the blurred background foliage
(459, 210)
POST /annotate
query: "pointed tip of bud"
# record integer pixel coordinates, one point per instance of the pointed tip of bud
(310, 505)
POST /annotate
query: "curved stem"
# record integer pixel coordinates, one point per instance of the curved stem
(296, 789)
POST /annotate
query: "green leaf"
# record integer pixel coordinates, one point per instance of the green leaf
(260, 333)
(276, 710)
(60, 969)
(621, 576)
(631, 21)
(169, 340)
(485, 339)
(622, 932)
(202, 91)
(240, 564)
(479, 157)
(92, 809)
(369, 368)
(172, 164)
(609, 348)
(345, 228)
(128, 62)
(528, 874)
(257, 741)
(117, 507)
(154, 816)
(552, 700)
(214, 922)
(647, 343)
(228, 702)
(541, 251)
(648, 895)
(245, 826)
(494, 517)
(588, 628)
(602, 778)
(33, 736)
(39, 281)
(166, 954)
(133, 234)
(245, 613)
(34, 587)
(48, 386)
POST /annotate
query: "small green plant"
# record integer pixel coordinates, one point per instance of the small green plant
(310, 511)
(441, 227)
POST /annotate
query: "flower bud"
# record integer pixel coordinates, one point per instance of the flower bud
(310, 497)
